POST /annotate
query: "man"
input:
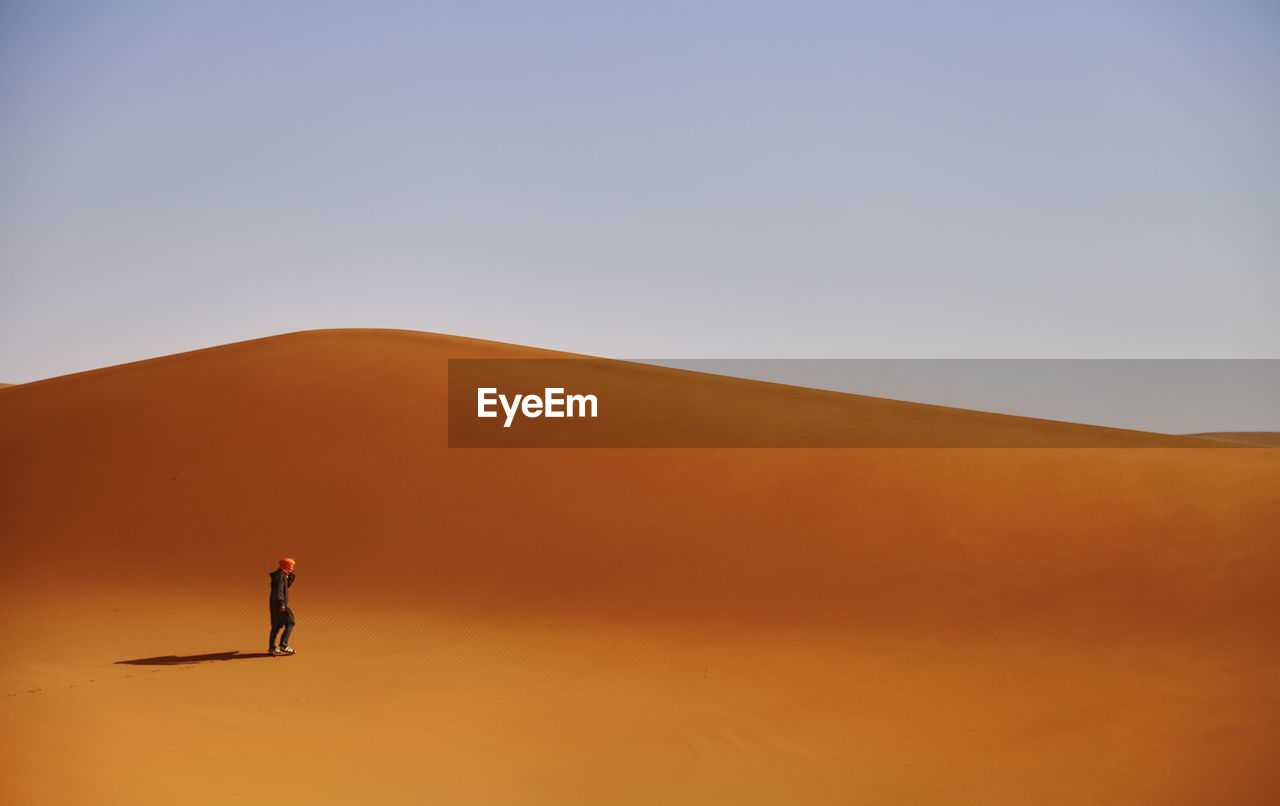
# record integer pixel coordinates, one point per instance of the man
(281, 615)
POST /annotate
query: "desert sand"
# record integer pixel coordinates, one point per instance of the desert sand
(626, 626)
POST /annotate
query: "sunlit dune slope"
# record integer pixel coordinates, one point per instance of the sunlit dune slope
(331, 445)
(892, 625)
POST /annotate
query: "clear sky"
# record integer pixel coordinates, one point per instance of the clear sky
(680, 179)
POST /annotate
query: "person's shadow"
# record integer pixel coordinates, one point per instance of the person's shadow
(176, 660)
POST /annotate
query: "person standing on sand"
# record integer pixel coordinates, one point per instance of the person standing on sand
(281, 615)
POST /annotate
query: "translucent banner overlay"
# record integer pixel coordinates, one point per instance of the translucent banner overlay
(861, 403)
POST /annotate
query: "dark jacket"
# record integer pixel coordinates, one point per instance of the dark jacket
(280, 583)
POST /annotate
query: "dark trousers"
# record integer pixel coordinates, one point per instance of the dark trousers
(279, 620)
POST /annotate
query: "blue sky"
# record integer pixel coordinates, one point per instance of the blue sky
(755, 180)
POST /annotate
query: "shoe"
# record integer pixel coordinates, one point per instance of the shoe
(272, 651)
(285, 650)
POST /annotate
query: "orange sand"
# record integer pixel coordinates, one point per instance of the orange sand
(555, 626)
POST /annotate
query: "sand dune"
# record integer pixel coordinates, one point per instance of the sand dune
(890, 625)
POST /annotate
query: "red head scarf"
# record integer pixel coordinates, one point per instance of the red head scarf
(287, 565)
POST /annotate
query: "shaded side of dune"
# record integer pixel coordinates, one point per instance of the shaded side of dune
(190, 472)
